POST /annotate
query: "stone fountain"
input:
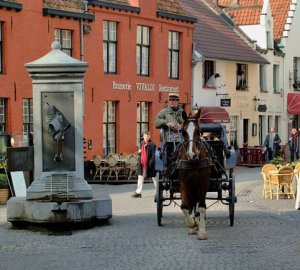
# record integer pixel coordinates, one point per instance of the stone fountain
(59, 193)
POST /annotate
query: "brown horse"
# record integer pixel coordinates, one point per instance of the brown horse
(194, 165)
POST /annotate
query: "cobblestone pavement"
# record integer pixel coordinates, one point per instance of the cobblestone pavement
(265, 235)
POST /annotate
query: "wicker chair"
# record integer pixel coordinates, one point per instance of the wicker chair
(297, 176)
(281, 183)
(266, 176)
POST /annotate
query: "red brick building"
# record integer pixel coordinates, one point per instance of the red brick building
(138, 51)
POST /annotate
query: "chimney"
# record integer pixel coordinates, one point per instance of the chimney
(134, 3)
(235, 3)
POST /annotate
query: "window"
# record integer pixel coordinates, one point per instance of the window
(296, 73)
(269, 40)
(110, 47)
(27, 116)
(173, 55)
(2, 114)
(262, 78)
(1, 49)
(142, 50)
(276, 78)
(209, 70)
(64, 37)
(241, 77)
(109, 127)
(142, 120)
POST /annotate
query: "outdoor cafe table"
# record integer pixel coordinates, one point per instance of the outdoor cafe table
(252, 156)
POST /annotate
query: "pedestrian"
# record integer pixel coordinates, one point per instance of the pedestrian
(272, 143)
(169, 120)
(146, 166)
(294, 144)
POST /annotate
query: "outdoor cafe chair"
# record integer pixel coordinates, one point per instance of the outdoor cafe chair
(265, 171)
(281, 182)
(102, 166)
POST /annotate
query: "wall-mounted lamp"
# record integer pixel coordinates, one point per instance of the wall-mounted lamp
(256, 99)
(195, 107)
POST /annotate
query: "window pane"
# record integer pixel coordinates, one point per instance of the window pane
(105, 30)
(145, 60)
(175, 39)
(174, 65)
(105, 59)
(146, 35)
(112, 57)
(139, 35)
(66, 39)
(113, 31)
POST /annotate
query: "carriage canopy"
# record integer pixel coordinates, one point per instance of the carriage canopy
(214, 115)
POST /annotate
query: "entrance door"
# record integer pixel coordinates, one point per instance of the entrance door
(245, 130)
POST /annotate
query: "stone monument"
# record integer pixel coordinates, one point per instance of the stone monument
(59, 193)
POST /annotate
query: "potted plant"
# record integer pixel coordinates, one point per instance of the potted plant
(4, 189)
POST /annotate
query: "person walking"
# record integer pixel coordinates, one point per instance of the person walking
(146, 166)
(294, 144)
(272, 143)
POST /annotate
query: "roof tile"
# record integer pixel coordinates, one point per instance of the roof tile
(280, 9)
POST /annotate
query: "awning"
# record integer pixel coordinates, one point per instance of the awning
(214, 115)
(293, 103)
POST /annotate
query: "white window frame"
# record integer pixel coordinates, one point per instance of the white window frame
(110, 44)
(174, 52)
(109, 127)
(64, 37)
(143, 50)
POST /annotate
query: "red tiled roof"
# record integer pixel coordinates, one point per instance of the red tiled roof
(215, 38)
(245, 16)
(279, 9)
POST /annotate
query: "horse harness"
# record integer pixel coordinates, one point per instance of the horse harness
(193, 164)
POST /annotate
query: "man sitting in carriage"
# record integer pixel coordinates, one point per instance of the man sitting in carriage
(169, 120)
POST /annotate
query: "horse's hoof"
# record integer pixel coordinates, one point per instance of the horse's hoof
(193, 231)
(202, 235)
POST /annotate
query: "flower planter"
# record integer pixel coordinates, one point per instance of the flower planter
(4, 195)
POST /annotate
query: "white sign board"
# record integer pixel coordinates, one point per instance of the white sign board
(19, 184)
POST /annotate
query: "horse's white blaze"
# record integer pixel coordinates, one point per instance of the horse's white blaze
(190, 131)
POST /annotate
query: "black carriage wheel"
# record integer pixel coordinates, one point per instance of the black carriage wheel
(232, 199)
(159, 201)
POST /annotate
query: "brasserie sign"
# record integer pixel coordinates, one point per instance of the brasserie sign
(140, 86)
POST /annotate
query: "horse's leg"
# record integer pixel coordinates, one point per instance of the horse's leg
(200, 221)
(189, 221)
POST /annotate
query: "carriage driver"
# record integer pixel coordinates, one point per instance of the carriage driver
(170, 121)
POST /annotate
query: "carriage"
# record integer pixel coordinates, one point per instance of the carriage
(222, 179)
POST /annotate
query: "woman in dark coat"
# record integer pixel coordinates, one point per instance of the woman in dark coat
(146, 166)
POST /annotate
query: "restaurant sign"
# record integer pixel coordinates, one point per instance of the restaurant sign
(141, 86)
(225, 102)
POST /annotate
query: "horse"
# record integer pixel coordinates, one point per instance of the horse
(194, 168)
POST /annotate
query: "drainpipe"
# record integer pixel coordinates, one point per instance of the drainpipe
(82, 49)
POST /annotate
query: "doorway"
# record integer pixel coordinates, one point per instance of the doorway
(245, 130)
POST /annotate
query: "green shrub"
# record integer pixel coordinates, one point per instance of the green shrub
(3, 181)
